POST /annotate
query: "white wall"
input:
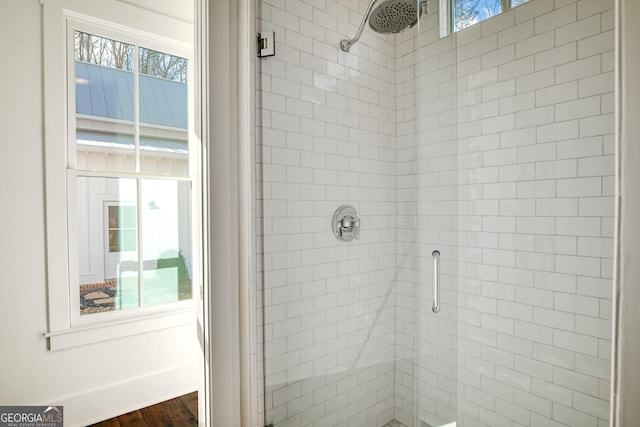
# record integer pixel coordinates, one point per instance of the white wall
(95, 381)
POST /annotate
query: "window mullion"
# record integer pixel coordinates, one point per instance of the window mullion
(136, 105)
(102, 174)
(506, 5)
(140, 244)
(136, 119)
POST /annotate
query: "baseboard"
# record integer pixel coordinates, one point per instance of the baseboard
(99, 404)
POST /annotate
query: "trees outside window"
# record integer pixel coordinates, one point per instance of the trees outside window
(465, 13)
(92, 49)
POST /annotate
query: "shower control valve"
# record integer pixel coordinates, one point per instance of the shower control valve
(346, 223)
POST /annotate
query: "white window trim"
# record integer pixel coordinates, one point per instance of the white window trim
(163, 33)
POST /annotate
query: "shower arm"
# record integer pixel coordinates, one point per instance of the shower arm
(346, 44)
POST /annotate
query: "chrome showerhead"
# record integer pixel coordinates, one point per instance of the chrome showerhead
(391, 16)
(394, 16)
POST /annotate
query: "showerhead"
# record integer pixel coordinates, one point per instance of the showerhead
(394, 16)
(391, 16)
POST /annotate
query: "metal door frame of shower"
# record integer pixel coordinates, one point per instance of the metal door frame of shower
(625, 372)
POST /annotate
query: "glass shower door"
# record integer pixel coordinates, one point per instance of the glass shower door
(350, 338)
(326, 138)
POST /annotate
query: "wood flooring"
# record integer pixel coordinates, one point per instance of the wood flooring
(179, 412)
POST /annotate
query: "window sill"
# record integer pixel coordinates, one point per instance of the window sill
(84, 335)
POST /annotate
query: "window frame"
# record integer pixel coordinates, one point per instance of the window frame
(61, 18)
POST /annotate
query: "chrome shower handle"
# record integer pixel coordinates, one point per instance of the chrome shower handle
(436, 281)
(349, 224)
(346, 223)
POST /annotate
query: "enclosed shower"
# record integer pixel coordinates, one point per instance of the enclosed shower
(434, 214)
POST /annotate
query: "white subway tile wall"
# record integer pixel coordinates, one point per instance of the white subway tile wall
(494, 146)
(326, 137)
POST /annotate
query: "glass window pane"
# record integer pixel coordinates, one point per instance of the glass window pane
(515, 3)
(114, 216)
(104, 83)
(128, 240)
(114, 241)
(469, 12)
(128, 214)
(92, 49)
(107, 251)
(164, 138)
(166, 241)
(163, 65)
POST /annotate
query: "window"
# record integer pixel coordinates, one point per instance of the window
(120, 202)
(464, 13)
(131, 116)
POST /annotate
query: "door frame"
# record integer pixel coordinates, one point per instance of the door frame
(223, 47)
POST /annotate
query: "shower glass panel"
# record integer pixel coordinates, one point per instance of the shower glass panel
(487, 157)
(350, 337)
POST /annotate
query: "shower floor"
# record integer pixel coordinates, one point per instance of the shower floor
(395, 423)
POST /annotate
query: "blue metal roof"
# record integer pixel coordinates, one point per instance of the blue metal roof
(108, 92)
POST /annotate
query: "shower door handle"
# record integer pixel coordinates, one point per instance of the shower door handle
(436, 281)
